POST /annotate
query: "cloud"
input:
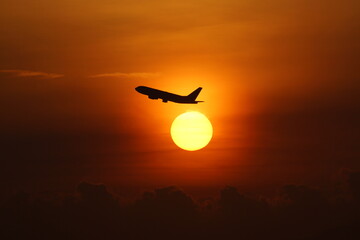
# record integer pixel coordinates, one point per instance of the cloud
(93, 212)
(27, 73)
(168, 201)
(93, 193)
(353, 181)
(136, 75)
(304, 196)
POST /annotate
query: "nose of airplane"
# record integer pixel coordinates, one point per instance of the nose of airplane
(140, 89)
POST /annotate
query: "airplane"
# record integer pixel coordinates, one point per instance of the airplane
(153, 93)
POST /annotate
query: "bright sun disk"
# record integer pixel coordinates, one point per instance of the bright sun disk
(191, 131)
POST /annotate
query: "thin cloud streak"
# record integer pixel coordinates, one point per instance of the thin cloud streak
(136, 75)
(27, 73)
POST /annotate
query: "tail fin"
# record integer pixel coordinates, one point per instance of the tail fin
(194, 94)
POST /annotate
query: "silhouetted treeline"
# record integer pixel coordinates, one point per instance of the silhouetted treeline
(298, 212)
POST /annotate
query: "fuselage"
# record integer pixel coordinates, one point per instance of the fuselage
(153, 93)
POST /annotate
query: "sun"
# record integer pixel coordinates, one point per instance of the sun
(191, 131)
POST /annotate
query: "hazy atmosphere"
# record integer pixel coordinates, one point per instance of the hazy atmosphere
(280, 86)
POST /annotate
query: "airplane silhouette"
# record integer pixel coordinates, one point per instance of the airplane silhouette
(153, 93)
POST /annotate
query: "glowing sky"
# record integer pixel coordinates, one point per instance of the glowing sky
(280, 83)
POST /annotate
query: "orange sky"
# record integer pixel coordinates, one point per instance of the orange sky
(280, 83)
